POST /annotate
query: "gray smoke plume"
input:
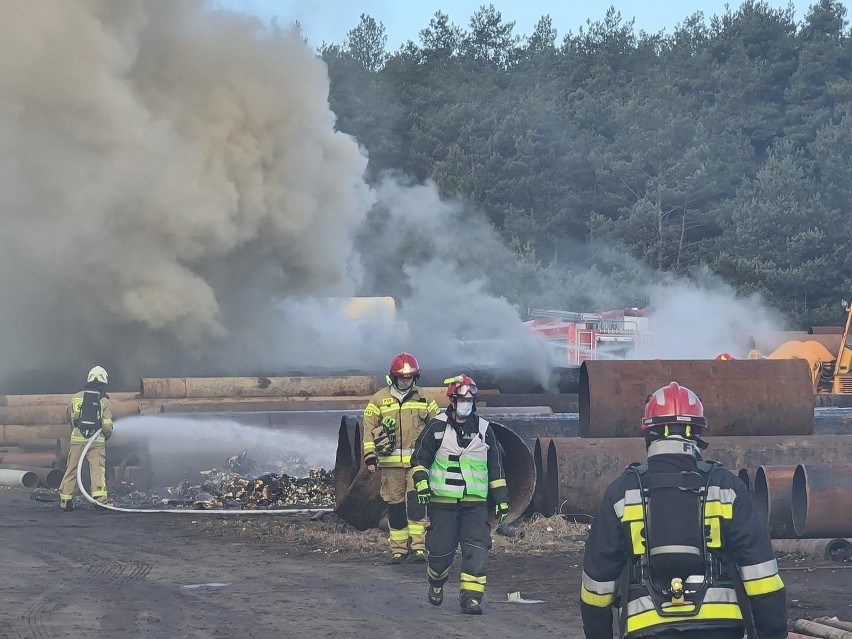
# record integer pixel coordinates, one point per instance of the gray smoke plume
(165, 172)
(175, 200)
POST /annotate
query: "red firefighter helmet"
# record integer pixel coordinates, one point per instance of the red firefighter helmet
(461, 386)
(673, 405)
(724, 357)
(404, 365)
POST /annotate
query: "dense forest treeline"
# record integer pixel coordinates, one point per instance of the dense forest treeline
(722, 146)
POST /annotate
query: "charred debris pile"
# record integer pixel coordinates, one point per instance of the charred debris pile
(239, 487)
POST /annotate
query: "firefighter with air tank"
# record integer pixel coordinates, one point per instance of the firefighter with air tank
(673, 536)
(88, 412)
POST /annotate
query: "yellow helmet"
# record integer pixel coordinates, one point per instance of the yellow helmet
(97, 374)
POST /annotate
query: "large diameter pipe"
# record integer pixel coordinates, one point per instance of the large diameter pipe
(243, 404)
(834, 622)
(47, 477)
(179, 387)
(55, 399)
(346, 462)
(27, 415)
(740, 397)
(833, 549)
(745, 477)
(773, 499)
(359, 505)
(822, 499)
(579, 470)
(821, 630)
(11, 477)
(41, 445)
(16, 434)
(56, 413)
(540, 501)
(44, 459)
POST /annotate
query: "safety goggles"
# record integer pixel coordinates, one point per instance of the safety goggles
(466, 389)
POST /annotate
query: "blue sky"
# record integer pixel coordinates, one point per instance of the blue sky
(329, 20)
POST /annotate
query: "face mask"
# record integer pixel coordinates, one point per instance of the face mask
(404, 383)
(463, 409)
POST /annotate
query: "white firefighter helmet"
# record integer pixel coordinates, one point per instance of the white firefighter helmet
(97, 374)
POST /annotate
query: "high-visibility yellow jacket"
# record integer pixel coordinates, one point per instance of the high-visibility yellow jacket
(734, 534)
(72, 415)
(410, 417)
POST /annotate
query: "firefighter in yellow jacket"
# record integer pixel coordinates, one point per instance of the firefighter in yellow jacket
(393, 419)
(88, 412)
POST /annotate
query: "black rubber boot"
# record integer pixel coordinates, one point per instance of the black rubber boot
(66, 506)
(417, 557)
(472, 607)
(436, 595)
(397, 558)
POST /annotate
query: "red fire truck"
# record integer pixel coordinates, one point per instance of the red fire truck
(581, 336)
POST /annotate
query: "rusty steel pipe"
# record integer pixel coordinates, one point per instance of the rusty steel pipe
(822, 499)
(181, 387)
(41, 445)
(773, 499)
(834, 622)
(362, 507)
(745, 477)
(30, 415)
(16, 434)
(42, 460)
(821, 630)
(55, 399)
(836, 549)
(540, 501)
(346, 464)
(740, 397)
(579, 470)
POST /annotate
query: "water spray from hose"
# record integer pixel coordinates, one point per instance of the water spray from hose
(213, 511)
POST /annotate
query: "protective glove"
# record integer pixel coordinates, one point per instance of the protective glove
(389, 424)
(501, 510)
(423, 492)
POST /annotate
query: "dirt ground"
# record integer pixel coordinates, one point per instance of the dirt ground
(95, 574)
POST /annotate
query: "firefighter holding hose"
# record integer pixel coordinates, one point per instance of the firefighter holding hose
(393, 419)
(88, 412)
(673, 537)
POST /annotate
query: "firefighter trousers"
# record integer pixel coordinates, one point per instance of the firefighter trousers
(451, 525)
(405, 516)
(97, 469)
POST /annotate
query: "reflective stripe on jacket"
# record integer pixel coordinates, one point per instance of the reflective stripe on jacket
(458, 472)
(72, 415)
(734, 533)
(411, 416)
(437, 432)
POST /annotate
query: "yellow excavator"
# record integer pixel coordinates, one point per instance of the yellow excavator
(830, 374)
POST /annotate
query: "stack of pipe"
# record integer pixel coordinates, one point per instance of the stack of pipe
(37, 462)
(29, 418)
(357, 491)
(760, 412)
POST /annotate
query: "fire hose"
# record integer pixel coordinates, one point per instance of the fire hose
(188, 511)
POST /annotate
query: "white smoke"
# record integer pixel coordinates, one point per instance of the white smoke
(702, 318)
(159, 165)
